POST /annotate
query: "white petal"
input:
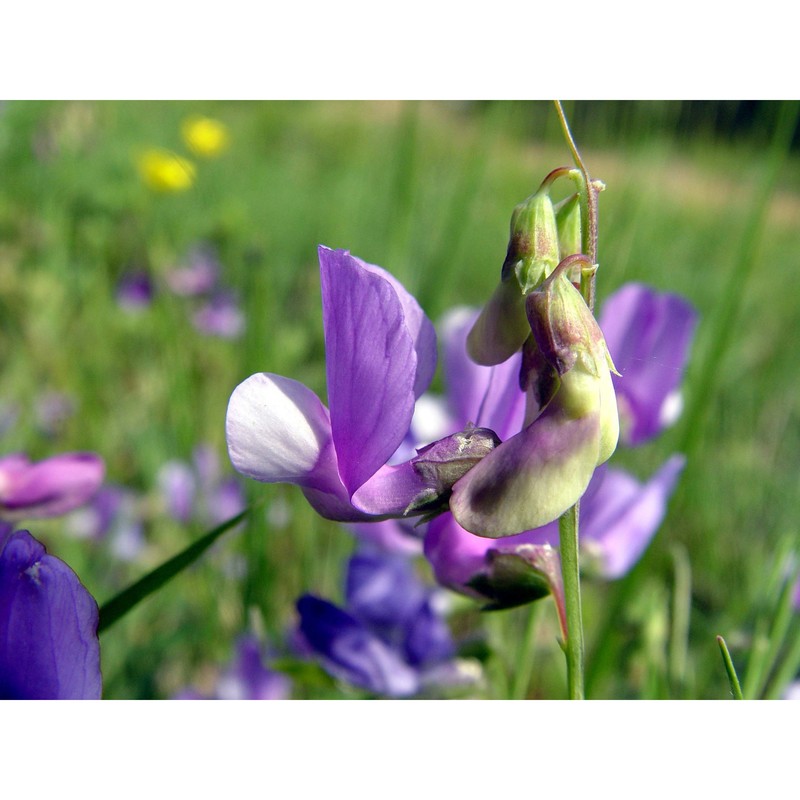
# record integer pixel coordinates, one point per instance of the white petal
(277, 430)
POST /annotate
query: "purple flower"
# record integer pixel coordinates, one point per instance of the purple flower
(47, 488)
(197, 276)
(48, 626)
(111, 515)
(52, 410)
(649, 335)
(198, 490)
(247, 678)
(135, 291)
(381, 355)
(619, 515)
(391, 638)
(220, 316)
(176, 482)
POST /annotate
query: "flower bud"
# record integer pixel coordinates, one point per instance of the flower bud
(532, 255)
(571, 341)
(564, 328)
(533, 245)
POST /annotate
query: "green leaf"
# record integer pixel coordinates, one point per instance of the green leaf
(736, 689)
(118, 606)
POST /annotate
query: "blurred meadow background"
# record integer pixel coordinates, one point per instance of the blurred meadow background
(702, 199)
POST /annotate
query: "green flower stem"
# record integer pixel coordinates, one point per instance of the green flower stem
(570, 570)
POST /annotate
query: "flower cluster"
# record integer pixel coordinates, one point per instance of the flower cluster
(530, 430)
(391, 638)
(215, 310)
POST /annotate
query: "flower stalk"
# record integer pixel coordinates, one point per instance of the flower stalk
(568, 524)
(570, 570)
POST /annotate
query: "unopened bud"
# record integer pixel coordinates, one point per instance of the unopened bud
(533, 244)
(564, 328)
(532, 255)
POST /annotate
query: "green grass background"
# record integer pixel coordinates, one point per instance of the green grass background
(426, 191)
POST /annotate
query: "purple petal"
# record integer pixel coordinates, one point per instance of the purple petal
(48, 488)
(621, 516)
(418, 325)
(648, 334)
(372, 364)
(350, 652)
(391, 491)
(383, 591)
(486, 396)
(390, 536)
(428, 638)
(48, 626)
(458, 556)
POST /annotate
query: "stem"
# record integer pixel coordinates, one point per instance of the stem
(568, 524)
(570, 571)
(588, 191)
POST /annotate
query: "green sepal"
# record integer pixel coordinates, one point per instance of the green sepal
(509, 581)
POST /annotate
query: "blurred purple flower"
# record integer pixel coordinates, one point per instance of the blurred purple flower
(52, 410)
(391, 638)
(247, 678)
(619, 516)
(197, 276)
(48, 625)
(176, 482)
(112, 516)
(381, 355)
(9, 414)
(47, 488)
(792, 691)
(220, 316)
(134, 291)
(649, 335)
(198, 490)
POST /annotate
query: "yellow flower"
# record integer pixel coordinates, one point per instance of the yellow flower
(165, 171)
(204, 136)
